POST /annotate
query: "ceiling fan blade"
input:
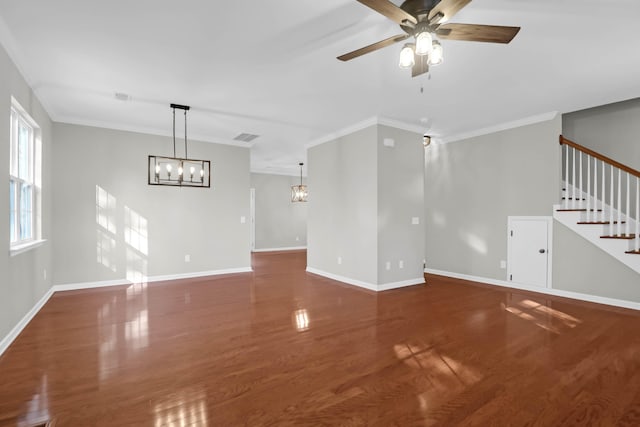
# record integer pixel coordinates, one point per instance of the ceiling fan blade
(477, 33)
(373, 47)
(390, 10)
(421, 66)
(447, 8)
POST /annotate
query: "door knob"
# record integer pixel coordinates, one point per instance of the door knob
(542, 251)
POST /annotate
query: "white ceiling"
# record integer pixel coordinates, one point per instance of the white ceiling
(270, 67)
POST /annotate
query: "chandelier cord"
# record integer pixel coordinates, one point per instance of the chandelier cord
(174, 132)
(186, 156)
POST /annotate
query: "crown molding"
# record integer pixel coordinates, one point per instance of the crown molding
(371, 121)
(277, 171)
(10, 45)
(539, 118)
(385, 121)
(146, 130)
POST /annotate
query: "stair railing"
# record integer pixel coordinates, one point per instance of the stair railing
(586, 188)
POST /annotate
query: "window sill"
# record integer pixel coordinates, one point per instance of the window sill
(24, 247)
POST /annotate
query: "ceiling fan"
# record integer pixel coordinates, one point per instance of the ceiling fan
(425, 20)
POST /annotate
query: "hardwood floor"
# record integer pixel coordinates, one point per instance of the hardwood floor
(283, 347)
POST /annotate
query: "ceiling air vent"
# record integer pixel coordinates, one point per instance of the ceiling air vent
(245, 137)
(121, 96)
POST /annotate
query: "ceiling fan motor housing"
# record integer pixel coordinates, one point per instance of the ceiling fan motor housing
(419, 9)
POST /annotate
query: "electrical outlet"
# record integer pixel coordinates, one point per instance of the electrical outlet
(297, 238)
(503, 264)
(187, 258)
(44, 274)
(243, 219)
(415, 220)
(388, 265)
(339, 260)
(401, 264)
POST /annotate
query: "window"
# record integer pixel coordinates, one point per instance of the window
(22, 178)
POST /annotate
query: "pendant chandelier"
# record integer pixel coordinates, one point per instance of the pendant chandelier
(299, 192)
(179, 171)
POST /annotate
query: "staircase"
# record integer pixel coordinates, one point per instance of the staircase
(601, 202)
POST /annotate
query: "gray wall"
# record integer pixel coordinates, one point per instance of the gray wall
(22, 281)
(104, 209)
(580, 266)
(472, 186)
(362, 197)
(400, 190)
(343, 206)
(279, 223)
(612, 130)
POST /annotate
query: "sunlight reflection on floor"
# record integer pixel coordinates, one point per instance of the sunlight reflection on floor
(185, 408)
(445, 375)
(540, 315)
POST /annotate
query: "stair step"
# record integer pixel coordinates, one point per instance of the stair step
(599, 222)
(636, 252)
(578, 210)
(571, 198)
(620, 236)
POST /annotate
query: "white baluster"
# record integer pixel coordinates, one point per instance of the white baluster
(566, 176)
(619, 201)
(581, 192)
(589, 214)
(595, 188)
(573, 173)
(611, 203)
(627, 225)
(604, 189)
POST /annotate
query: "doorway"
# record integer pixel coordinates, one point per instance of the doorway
(529, 240)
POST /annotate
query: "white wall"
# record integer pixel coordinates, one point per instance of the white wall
(279, 223)
(22, 281)
(94, 243)
(472, 186)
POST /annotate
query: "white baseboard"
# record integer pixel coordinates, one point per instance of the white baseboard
(289, 248)
(401, 284)
(347, 280)
(199, 274)
(13, 334)
(366, 285)
(549, 291)
(89, 285)
(148, 279)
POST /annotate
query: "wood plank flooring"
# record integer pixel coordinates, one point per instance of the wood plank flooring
(283, 347)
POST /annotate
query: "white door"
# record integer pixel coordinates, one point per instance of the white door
(528, 247)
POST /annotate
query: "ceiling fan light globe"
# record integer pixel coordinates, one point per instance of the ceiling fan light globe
(407, 59)
(437, 54)
(424, 43)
